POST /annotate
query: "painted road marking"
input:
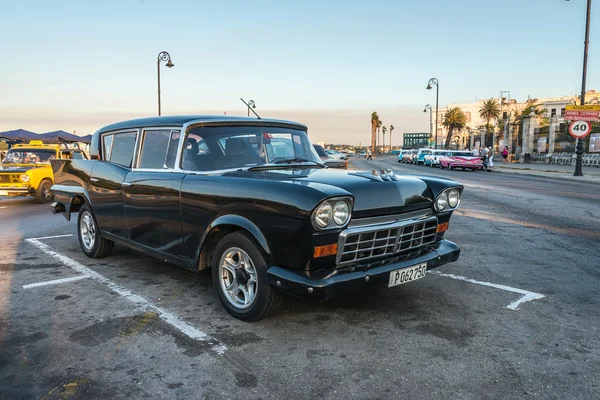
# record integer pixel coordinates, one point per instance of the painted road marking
(54, 237)
(527, 295)
(56, 281)
(140, 301)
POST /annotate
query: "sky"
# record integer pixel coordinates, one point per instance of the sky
(79, 65)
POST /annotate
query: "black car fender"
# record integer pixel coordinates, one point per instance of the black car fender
(220, 227)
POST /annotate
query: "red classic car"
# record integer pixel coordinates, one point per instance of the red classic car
(461, 159)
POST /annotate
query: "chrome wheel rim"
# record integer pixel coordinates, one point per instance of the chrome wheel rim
(238, 278)
(87, 231)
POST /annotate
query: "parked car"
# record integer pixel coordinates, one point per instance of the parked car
(420, 157)
(328, 160)
(408, 156)
(336, 155)
(461, 159)
(433, 159)
(264, 223)
(25, 169)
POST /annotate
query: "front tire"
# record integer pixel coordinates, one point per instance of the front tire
(240, 278)
(43, 194)
(92, 244)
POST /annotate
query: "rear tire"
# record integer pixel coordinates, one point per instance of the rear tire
(88, 232)
(43, 194)
(240, 278)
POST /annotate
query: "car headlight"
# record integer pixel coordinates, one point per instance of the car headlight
(341, 213)
(322, 215)
(442, 202)
(453, 198)
(447, 200)
(25, 178)
(332, 213)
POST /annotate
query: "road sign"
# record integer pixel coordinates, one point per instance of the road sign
(580, 129)
(590, 112)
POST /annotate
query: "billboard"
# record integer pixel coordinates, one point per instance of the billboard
(415, 140)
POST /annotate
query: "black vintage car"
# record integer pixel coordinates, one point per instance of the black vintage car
(251, 199)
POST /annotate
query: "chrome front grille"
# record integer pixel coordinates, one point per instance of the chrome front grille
(367, 242)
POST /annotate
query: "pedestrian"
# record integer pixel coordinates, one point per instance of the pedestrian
(504, 154)
(490, 158)
(369, 155)
(475, 152)
(483, 156)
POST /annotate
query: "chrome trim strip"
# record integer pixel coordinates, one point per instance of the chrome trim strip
(385, 219)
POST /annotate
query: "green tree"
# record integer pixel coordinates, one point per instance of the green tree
(384, 130)
(374, 123)
(490, 110)
(391, 129)
(454, 120)
(533, 106)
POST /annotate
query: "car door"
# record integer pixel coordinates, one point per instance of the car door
(152, 193)
(107, 177)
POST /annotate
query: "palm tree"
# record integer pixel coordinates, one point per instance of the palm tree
(532, 106)
(490, 110)
(391, 129)
(379, 123)
(374, 123)
(454, 120)
(384, 129)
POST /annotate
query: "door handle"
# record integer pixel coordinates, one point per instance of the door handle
(127, 184)
(94, 180)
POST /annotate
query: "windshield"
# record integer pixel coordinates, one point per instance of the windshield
(213, 148)
(28, 156)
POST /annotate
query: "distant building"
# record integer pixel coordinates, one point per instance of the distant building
(555, 109)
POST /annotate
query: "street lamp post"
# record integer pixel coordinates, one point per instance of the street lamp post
(162, 56)
(586, 43)
(428, 107)
(434, 82)
(506, 129)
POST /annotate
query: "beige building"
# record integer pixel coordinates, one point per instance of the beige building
(555, 109)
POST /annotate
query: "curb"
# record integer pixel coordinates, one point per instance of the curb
(556, 178)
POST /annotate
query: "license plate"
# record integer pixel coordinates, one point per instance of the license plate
(409, 274)
(3, 192)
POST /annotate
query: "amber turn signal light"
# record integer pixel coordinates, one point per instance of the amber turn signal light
(323, 251)
(443, 227)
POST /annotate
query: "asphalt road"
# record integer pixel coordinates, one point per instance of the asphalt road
(442, 337)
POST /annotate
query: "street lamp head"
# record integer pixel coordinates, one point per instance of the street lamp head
(428, 87)
(170, 64)
(425, 110)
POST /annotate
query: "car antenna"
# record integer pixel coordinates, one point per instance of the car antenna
(250, 108)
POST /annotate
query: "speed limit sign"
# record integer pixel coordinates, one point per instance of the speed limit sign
(580, 129)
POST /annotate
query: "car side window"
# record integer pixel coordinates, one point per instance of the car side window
(159, 149)
(106, 146)
(78, 155)
(122, 149)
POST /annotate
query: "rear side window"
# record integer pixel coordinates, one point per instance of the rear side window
(159, 149)
(118, 148)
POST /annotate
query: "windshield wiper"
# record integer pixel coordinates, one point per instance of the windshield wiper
(282, 160)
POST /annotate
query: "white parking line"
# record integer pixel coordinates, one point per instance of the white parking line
(53, 237)
(527, 295)
(141, 302)
(56, 281)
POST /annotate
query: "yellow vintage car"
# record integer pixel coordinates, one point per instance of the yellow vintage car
(25, 169)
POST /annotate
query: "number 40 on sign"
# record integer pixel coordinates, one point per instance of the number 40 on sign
(580, 129)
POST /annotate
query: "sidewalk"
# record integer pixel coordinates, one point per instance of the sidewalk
(551, 171)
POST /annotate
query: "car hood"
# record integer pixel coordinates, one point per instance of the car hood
(16, 169)
(373, 195)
